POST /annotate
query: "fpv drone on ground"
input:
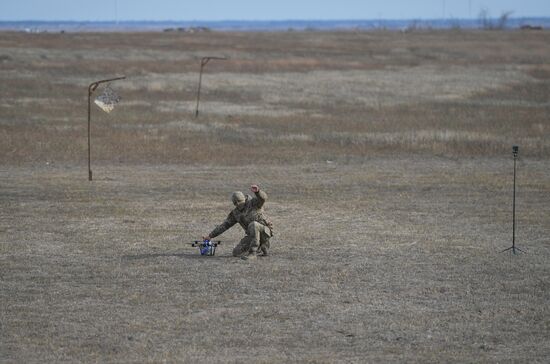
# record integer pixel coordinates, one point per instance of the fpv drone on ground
(206, 247)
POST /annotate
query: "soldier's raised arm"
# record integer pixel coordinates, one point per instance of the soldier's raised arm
(261, 196)
(218, 230)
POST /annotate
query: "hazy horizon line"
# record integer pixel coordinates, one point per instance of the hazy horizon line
(266, 20)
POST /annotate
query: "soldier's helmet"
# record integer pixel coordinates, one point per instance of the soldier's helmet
(238, 198)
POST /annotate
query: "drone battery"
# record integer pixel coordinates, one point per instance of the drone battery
(208, 248)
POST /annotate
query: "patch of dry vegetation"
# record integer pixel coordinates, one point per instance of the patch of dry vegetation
(348, 94)
(387, 157)
(391, 260)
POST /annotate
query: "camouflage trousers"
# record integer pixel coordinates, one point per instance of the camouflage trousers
(257, 237)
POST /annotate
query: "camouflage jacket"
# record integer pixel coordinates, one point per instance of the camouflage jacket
(252, 211)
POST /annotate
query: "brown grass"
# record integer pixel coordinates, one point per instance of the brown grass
(387, 159)
(448, 93)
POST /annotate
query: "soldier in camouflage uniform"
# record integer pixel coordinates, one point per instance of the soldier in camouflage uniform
(248, 212)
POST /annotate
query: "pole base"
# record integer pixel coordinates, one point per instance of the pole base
(90, 175)
(513, 250)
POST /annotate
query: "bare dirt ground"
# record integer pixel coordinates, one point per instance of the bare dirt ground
(387, 160)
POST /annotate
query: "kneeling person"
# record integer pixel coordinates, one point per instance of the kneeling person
(248, 212)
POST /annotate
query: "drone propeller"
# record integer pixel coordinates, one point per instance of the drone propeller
(200, 242)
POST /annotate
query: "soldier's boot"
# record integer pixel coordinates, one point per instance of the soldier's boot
(249, 256)
(264, 249)
(242, 248)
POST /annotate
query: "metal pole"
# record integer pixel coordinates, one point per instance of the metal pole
(204, 61)
(89, 145)
(514, 211)
(91, 88)
(513, 248)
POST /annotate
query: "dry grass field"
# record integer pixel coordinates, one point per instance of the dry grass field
(387, 160)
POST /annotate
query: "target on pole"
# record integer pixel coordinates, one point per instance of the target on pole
(107, 100)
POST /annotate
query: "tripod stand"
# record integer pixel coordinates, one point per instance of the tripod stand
(513, 248)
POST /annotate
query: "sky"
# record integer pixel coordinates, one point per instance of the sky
(105, 10)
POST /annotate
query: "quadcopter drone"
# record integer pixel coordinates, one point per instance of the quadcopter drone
(206, 247)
